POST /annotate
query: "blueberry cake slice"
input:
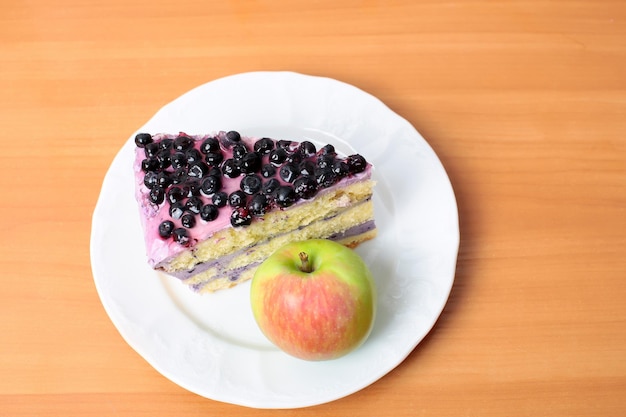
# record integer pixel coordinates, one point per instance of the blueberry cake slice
(213, 207)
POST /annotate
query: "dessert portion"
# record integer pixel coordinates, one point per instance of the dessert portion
(213, 207)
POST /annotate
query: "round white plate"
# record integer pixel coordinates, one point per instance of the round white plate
(209, 344)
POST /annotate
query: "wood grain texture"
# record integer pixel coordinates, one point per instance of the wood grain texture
(523, 101)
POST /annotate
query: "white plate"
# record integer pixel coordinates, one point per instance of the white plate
(209, 344)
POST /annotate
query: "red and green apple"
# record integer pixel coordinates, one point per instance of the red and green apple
(314, 299)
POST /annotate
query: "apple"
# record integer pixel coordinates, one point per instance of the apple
(314, 299)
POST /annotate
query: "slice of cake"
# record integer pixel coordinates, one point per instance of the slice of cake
(213, 207)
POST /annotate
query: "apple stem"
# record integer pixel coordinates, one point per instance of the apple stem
(306, 265)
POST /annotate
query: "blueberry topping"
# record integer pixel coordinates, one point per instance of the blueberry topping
(283, 143)
(305, 187)
(182, 143)
(325, 161)
(209, 212)
(340, 169)
(179, 176)
(163, 158)
(278, 156)
(193, 155)
(214, 158)
(270, 187)
(178, 160)
(250, 162)
(166, 144)
(237, 199)
(151, 149)
(230, 168)
(327, 150)
(356, 163)
(268, 170)
(325, 177)
(142, 139)
(294, 158)
(197, 169)
(191, 188)
(239, 150)
(307, 167)
(306, 149)
(285, 196)
(175, 194)
(209, 145)
(188, 220)
(251, 184)
(166, 228)
(156, 195)
(240, 217)
(211, 185)
(149, 164)
(220, 199)
(150, 179)
(258, 205)
(289, 172)
(264, 146)
(233, 136)
(194, 205)
(176, 210)
(181, 236)
(163, 180)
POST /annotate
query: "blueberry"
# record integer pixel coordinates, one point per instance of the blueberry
(209, 212)
(156, 195)
(179, 176)
(327, 150)
(285, 196)
(151, 149)
(182, 143)
(191, 188)
(251, 184)
(258, 205)
(197, 169)
(268, 170)
(306, 149)
(181, 236)
(325, 177)
(211, 184)
(294, 158)
(176, 210)
(307, 167)
(305, 187)
(214, 158)
(237, 199)
(163, 158)
(278, 156)
(356, 163)
(209, 145)
(340, 169)
(233, 136)
(178, 160)
(283, 144)
(264, 146)
(193, 155)
(325, 161)
(142, 139)
(220, 199)
(289, 172)
(239, 150)
(230, 168)
(215, 171)
(175, 194)
(270, 187)
(163, 180)
(150, 179)
(240, 217)
(250, 162)
(166, 144)
(149, 164)
(194, 205)
(188, 220)
(166, 228)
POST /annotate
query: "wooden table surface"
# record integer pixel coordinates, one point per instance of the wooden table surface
(523, 101)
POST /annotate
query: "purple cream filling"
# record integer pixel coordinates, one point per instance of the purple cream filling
(235, 273)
